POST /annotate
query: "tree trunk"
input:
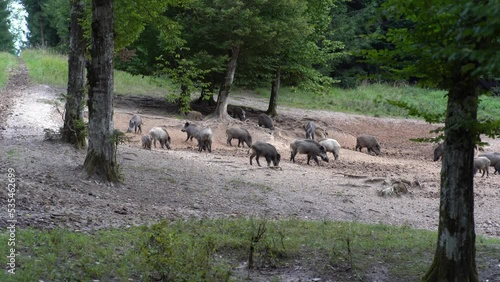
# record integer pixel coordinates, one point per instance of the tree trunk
(184, 99)
(206, 97)
(42, 36)
(74, 127)
(275, 88)
(222, 99)
(101, 154)
(454, 259)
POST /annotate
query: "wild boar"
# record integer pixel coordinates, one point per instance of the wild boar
(438, 152)
(241, 134)
(160, 134)
(321, 132)
(310, 147)
(194, 115)
(190, 129)
(239, 113)
(369, 142)
(481, 164)
(265, 121)
(266, 150)
(494, 159)
(310, 129)
(204, 137)
(135, 123)
(146, 141)
(331, 145)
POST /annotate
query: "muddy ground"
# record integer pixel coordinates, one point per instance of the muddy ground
(184, 183)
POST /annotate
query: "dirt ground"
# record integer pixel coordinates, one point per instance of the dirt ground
(183, 183)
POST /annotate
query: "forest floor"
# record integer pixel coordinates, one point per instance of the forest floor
(183, 183)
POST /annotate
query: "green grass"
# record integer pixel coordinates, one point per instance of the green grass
(50, 68)
(209, 250)
(366, 99)
(47, 67)
(370, 100)
(8, 62)
(137, 85)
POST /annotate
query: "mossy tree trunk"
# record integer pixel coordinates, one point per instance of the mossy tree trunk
(454, 259)
(74, 127)
(275, 89)
(223, 97)
(101, 154)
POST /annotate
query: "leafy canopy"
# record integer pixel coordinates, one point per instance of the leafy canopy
(432, 40)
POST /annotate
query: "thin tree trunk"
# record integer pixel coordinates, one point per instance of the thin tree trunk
(275, 88)
(74, 127)
(222, 99)
(42, 36)
(101, 154)
(184, 99)
(455, 254)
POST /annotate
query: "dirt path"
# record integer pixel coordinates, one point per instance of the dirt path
(182, 182)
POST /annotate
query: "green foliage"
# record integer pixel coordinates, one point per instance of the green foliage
(357, 24)
(443, 44)
(7, 64)
(6, 37)
(209, 250)
(182, 254)
(42, 33)
(188, 77)
(454, 31)
(57, 13)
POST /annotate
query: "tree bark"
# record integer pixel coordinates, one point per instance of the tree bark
(101, 154)
(222, 99)
(275, 88)
(74, 127)
(454, 259)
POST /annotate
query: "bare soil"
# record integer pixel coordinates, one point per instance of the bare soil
(182, 182)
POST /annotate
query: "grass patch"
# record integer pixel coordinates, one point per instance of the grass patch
(369, 100)
(8, 62)
(138, 85)
(11, 153)
(47, 67)
(214, 250)
(366, 99)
